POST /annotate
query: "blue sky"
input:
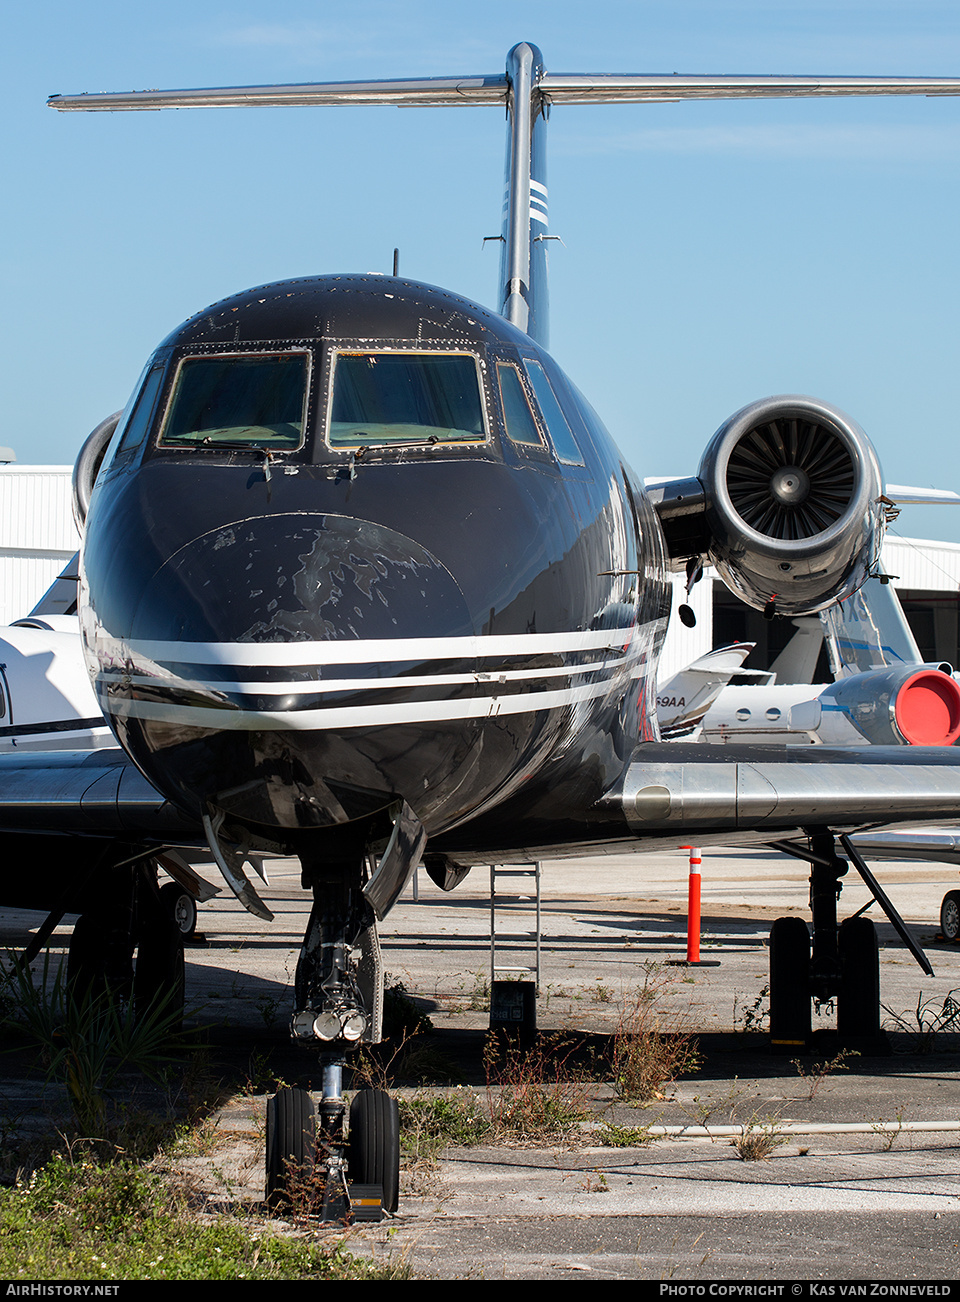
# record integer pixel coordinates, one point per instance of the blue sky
(713, 253)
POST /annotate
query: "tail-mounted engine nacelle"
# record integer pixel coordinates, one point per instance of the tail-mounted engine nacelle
(88, 464)
(789, 508)
(916, 705)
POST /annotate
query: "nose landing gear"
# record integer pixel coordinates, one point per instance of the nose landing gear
(349, 1167)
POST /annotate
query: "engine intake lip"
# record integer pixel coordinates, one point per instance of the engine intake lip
(789, 472)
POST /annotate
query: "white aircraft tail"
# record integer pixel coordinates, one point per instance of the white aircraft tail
(686, 697)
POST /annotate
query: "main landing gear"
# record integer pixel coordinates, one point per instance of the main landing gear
(950, 916)
(838, 963)
(130, 919)
(340, 1166)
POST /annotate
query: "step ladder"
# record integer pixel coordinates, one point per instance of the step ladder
(515, 922)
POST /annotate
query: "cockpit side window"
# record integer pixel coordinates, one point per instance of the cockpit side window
(239, 400)
(517, 416)
(390, 398)
(561, 435)
(138, 421)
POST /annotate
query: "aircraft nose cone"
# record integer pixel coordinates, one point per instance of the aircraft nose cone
(259, 670)
(289, 578)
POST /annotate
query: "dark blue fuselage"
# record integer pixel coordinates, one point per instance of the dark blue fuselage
(299, 624)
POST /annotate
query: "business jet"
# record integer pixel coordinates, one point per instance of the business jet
(883, 692)
(364, 580)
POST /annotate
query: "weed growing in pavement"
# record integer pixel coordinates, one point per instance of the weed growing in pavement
(758, 1139)
(429, 1125)
(886, 1129)
(930, 1021)
(814, 1075)
(401, 1013)
(536, 1093)
(595, 1182)
(752, 1017)
(268, 1006)
(671, 1269)
(88, 1041)
(77, 1220)
(261, 1078)
(480, 994)
(649, 1049)
(383, 1065)
(612, 1136)
(703, 1109)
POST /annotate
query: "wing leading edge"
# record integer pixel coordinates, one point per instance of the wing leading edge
(668, 791)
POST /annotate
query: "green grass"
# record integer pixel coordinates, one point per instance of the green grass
(614, 1136)
(84, 1221)
(430, 1124)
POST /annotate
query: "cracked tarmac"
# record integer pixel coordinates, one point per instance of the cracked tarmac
(822, 1206)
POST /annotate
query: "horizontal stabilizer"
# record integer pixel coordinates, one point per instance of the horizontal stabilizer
(903, 496)
(685, 698)
(557, 88)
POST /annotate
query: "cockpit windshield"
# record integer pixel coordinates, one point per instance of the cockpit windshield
(255, 400)
(396, 397)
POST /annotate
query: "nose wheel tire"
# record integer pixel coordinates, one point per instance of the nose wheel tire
(291, 1144)
(373, 1152)
(950, 916)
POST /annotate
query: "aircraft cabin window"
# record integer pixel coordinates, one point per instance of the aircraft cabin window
(561, 435)
(392, 398)
(245, 400)
(517, 416)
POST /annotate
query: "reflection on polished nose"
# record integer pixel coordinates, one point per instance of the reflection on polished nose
(264, 671)
(288, 578)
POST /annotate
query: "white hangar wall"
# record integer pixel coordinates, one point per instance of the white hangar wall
(37, 534)
(927, 579)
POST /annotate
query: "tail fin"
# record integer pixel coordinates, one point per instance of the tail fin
(523, 258)
(868, 631)
(685, 698)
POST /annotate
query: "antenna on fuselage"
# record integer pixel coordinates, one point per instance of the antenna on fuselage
(527, 92)
(396, 262)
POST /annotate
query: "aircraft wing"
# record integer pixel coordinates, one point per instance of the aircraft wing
(96, 793)
(904, 496)
(940, 844)
(670, 790)
(729, 795)
(760, 788)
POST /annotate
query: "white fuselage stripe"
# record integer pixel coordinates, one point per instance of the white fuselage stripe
(325, 686)
(362, 716)
(374, 650)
